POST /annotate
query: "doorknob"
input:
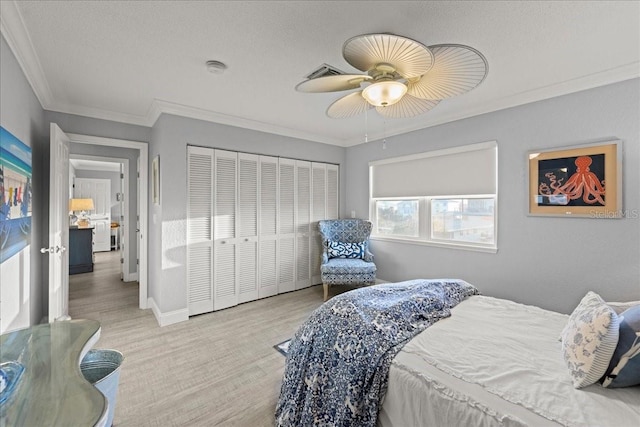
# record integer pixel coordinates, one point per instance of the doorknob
(53, 250)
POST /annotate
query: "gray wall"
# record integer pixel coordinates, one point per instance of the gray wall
(114, 177)
(22, 115)
(167, 237)
(549, 262)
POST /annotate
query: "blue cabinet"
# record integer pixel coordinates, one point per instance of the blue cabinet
(80, 250)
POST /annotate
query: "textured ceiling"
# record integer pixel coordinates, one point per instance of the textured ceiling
(131, 60)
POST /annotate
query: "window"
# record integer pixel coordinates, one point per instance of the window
(445, 197)
(397, 217)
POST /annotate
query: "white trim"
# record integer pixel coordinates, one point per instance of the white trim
(169, 318)
(211, 116)
(436, 244)
(15, 33)
(590, 81)
(437, 153)
(14, 30)
(130, 277)
(143, 207)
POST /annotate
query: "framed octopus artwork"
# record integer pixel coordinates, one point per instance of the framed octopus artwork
(579, 181)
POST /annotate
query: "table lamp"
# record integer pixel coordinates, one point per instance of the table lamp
(82, 205)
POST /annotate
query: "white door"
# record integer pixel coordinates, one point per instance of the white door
(99, 190)
(224, 230)
(332, 192)
(121, 225)
(318, 212)
(200, 173)
(268, 232)
(58, 225)
(247, 246)
(101, 235)
(303, 222)
(286, 225)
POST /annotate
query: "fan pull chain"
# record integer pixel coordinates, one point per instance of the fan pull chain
(384, 135)
(366, 125)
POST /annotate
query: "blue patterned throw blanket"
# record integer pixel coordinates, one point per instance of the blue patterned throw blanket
(338, 362)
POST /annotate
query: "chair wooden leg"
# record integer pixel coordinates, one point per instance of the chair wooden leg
(326, 291)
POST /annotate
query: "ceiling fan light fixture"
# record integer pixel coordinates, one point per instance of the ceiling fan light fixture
(385, 93)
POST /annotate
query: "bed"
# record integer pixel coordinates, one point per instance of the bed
(480, 362)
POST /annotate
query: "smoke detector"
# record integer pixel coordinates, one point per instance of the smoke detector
(216, 67)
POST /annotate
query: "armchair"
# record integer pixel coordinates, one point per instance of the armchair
(346, 259)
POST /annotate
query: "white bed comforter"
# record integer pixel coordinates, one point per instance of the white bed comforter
(496, 362)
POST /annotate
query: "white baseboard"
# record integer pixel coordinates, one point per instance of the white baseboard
(378, 281)
(170, 317)
(130, 277)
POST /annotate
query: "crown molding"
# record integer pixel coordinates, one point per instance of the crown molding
(13, 29)
(211, 116)
(590, 81)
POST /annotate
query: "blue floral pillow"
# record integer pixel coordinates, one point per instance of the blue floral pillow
(589, 340)
(624, 368)
(346, 250)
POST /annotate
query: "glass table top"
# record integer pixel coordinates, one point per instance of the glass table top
(52, 390)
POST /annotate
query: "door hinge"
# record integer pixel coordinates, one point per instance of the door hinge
(121, 260)
(137, 262)
(121, 176)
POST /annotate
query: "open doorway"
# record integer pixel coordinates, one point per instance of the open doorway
(105, 180)
(132, 238)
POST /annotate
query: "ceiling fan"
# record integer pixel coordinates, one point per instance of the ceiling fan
(403, 77)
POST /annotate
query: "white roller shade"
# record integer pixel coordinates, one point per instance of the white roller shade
(466, 170)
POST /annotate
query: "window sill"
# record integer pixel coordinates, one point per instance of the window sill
(462, 246)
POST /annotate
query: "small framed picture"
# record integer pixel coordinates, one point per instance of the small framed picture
(579, 181)
(155, 180)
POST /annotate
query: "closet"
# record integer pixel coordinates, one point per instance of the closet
(252, 225)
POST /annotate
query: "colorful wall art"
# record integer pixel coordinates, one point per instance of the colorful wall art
(582, 181)
(15, 195)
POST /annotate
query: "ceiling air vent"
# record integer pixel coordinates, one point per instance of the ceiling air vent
(323, 71)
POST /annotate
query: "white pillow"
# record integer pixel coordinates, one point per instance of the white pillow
(589, 340)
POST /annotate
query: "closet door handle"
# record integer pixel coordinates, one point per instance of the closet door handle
(246, 239)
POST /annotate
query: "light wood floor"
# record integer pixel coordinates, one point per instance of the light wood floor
(216, 369)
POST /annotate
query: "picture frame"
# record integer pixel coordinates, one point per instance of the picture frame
(578, 181)
(155, 180)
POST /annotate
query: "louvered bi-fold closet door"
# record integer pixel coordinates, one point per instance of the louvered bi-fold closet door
(200, 167)
(318, 212)
(303, 224)
(247, 248)
(268, 231)
(286, 225)
(224, 233)
(333, 204)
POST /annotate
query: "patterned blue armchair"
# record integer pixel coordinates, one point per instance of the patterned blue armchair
(346, 259)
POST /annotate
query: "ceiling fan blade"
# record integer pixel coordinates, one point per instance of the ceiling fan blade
(409, 57)
(348, 106)
(332, 83)
(457, 69)
(408, 106)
